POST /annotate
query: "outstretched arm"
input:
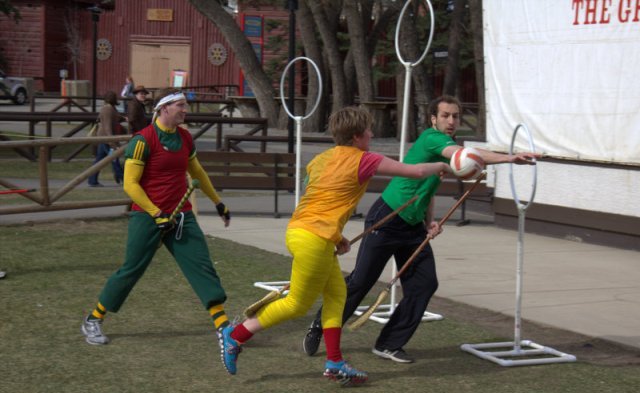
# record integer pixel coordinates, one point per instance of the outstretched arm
(391, 167)
(490, 157)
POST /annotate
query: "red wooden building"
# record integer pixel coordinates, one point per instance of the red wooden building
(151, 40)
(158, 42)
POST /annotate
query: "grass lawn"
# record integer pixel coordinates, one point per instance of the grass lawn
(163, 340)
(21, 168)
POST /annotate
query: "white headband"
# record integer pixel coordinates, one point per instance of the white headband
(169, 99)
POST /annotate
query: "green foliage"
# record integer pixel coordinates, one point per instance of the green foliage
(272, 24)
(276, 43)
(10, 10)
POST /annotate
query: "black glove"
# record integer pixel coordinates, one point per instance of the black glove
(163, 223)
(223, 211)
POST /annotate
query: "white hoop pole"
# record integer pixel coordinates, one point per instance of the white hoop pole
(298, 119)
(408, 66)
(522, 207)
(277, 285)
(519, 352)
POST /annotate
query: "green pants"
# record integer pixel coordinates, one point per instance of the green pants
(190, 251)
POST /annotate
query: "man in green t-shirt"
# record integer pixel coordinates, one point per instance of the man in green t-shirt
(402, 235)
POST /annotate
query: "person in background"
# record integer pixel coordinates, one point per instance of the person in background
(108, 125)
(127, 92)
(136, 110)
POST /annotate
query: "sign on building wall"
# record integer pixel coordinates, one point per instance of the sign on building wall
(569, 70)
(252, 26)
(160, 14)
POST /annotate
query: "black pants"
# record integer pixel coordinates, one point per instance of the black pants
(398, 239)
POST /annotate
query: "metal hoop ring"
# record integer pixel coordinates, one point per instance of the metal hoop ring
(284, 73)
(519, 204)
(424, 54)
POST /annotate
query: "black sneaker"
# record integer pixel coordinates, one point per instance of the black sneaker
(311, 341)
(399, 355)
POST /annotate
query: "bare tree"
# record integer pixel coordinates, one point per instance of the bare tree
(332, 51)
(313, 51)
(452, 70)
(73, 45)
(411, 50)
(475, 8)
(253, 72)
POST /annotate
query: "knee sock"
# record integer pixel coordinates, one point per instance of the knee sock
(98, 313)
(241, 334)
(219, 317)
(332, 343)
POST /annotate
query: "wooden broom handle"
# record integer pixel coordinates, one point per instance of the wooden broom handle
(429, 237)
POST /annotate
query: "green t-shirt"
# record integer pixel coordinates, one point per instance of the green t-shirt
(427, 148)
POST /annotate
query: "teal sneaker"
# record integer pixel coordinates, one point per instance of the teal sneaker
(229, 349)
(343, 373)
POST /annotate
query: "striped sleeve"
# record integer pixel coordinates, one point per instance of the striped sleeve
(137, 150)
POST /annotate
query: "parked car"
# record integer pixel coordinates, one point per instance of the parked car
(13, 89)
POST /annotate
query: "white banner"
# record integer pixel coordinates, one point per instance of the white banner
(569, 70)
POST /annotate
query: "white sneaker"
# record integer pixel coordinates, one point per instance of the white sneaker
(398, 355)
(92, 330)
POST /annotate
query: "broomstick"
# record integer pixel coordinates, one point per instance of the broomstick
(195, 183)
(385, 292)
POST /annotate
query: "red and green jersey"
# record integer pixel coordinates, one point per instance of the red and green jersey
(165, 156)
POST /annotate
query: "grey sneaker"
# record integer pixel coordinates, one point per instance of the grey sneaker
(398, 355)
(92, 330)
(312, 339)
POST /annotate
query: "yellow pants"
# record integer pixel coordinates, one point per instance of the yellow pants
(315, 271)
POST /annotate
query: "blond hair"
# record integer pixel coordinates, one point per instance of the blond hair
(347, 123)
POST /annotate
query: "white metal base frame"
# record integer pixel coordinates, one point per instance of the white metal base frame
(386, 310)
(517, 355)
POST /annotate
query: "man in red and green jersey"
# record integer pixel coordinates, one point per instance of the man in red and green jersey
(158, 159)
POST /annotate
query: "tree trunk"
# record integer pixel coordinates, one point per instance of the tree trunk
(253, 72)
(361, 59)
(411, 52)
(453, 59)
(357, 13)
(419, 76)
(332, 51)
(315, 122)
(475, 8)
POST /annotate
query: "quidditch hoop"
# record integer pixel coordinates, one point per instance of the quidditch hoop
(519, 204)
